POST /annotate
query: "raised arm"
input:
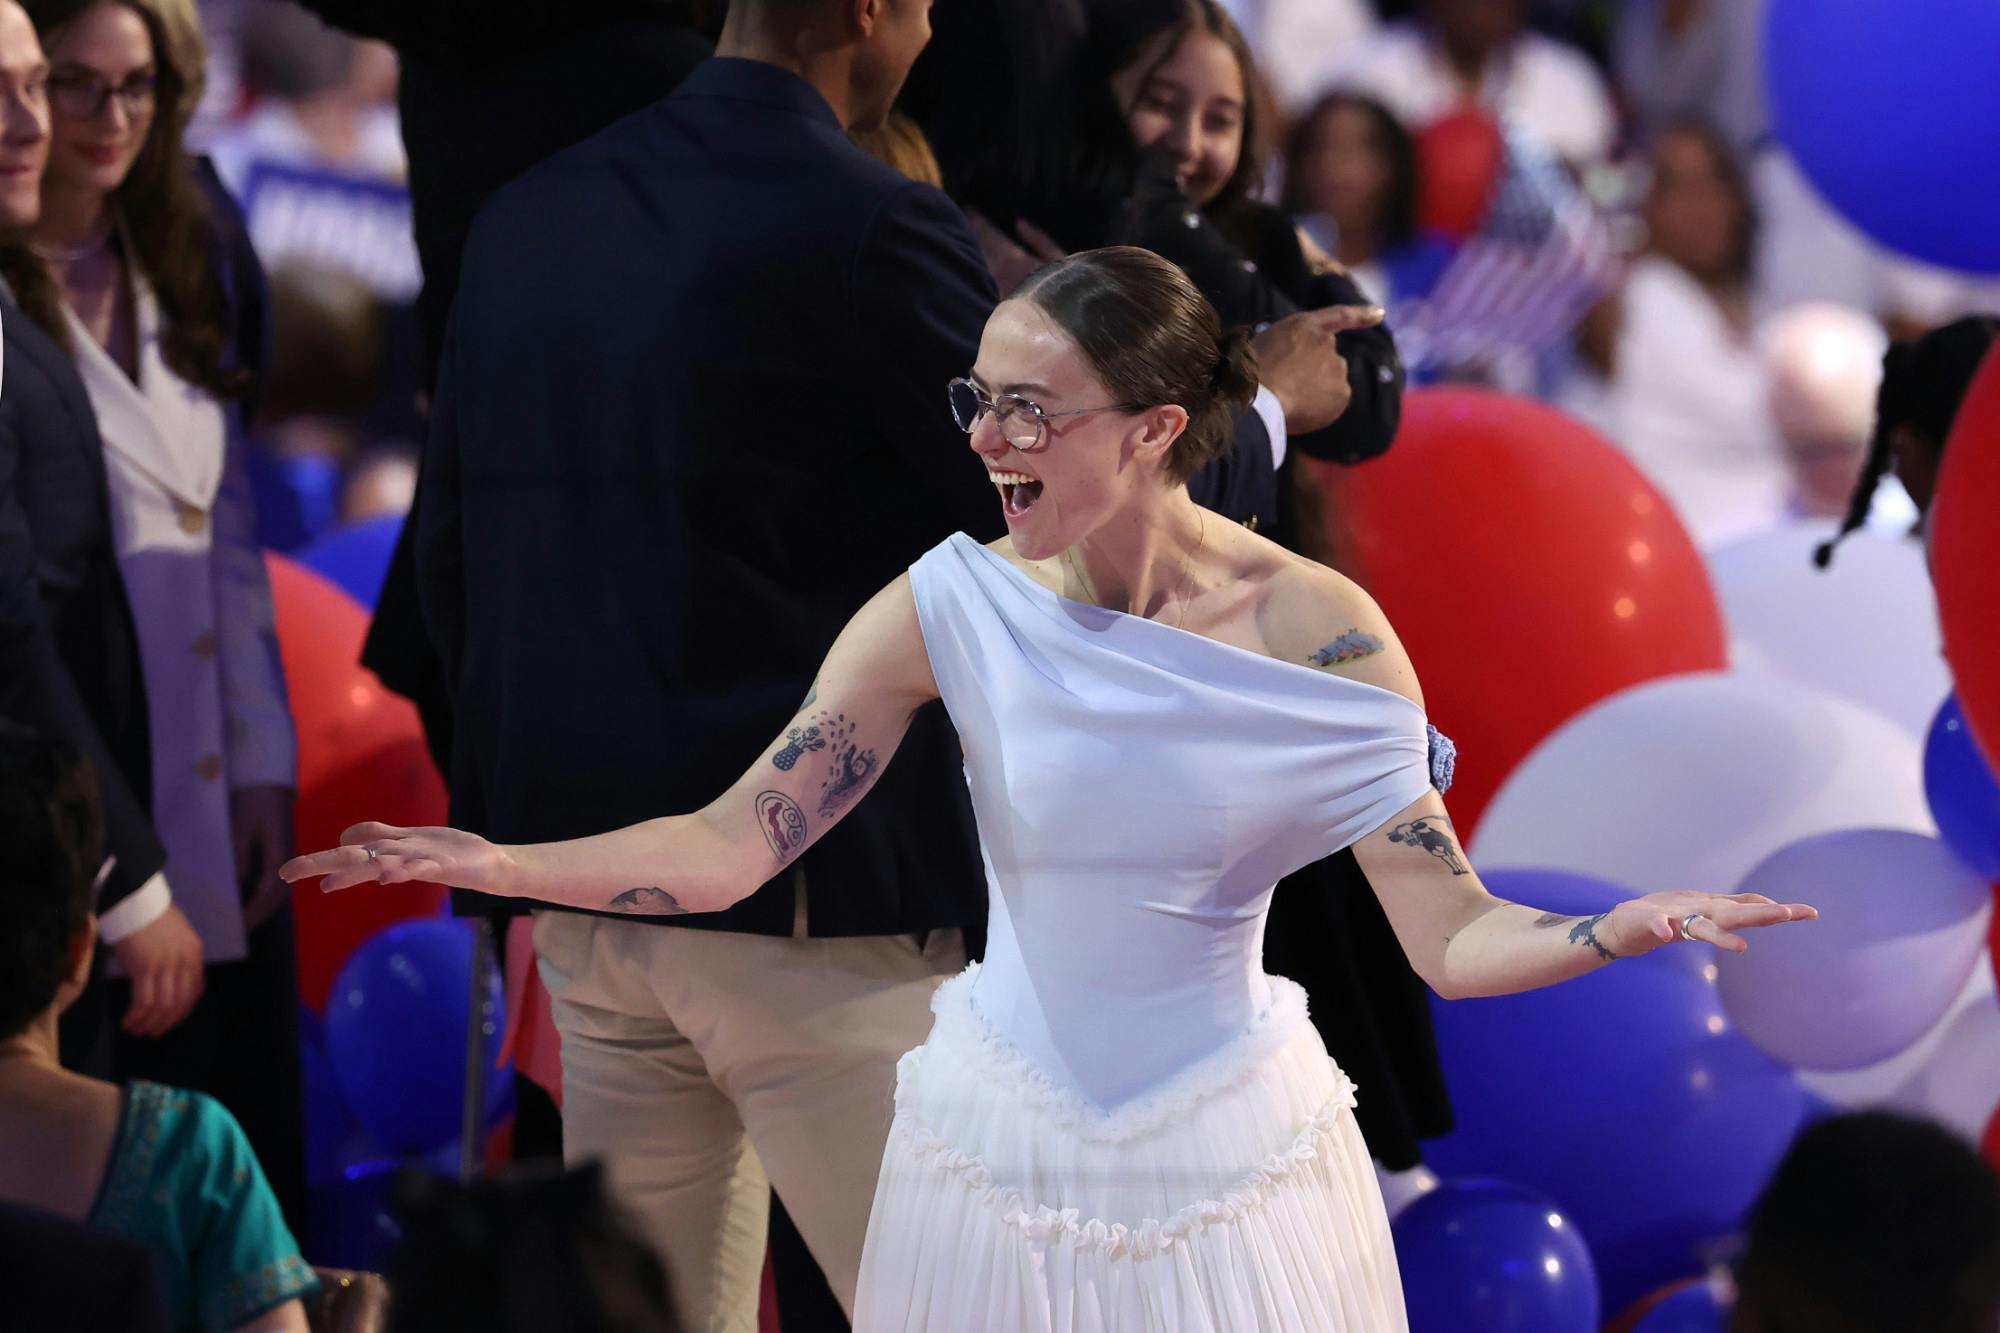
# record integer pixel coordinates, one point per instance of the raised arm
(876, 676)
(1460, 939)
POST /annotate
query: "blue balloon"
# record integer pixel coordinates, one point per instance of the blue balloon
(357, 556)
(349, 1220)
(1964, 795)
(329, 1124)
(395, 1029)
(1486, 1255)
(1892, 110)
(1698, 1308)
(1552, 1087)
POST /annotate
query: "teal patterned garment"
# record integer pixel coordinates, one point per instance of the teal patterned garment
(184, 1182)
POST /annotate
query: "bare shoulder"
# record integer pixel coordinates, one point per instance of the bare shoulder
(1320, 618)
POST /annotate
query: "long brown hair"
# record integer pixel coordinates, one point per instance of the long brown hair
(165, 216)
(1154, 48)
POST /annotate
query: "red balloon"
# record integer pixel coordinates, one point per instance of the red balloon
(1458, 162)
(1527, 566)
(1965, 553)
(361, 756)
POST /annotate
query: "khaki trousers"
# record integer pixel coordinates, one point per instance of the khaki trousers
(707, 1068)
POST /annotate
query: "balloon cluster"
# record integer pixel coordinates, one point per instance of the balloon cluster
(1632, 720)
(385, 1067)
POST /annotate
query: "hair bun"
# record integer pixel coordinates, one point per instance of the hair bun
(1234, 378)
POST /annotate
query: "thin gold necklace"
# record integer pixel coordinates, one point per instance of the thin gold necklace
(1187, 568)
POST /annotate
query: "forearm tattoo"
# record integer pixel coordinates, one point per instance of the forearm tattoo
(655, 901)
(784, 824)
(1582, 930)
(1432, 834)
(1348, 648)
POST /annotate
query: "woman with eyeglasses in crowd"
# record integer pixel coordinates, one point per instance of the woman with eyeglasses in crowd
(130, 270)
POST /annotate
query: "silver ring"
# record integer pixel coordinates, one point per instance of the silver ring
(1687, 923)
(370, 851)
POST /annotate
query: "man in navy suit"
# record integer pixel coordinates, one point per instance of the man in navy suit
(690, 415)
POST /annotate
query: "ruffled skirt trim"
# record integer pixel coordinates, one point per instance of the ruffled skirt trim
(1237, 1196)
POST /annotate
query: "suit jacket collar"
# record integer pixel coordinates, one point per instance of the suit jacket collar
(736, 79)
(157, 423)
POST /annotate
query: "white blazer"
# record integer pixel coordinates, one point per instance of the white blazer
(184, 521)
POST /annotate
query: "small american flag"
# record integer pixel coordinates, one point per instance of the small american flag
(1518, 285)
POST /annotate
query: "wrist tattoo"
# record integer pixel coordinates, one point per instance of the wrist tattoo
(656, 901)
(1585, 932)
(1432, 835)
(1349, 647)
(783, 823)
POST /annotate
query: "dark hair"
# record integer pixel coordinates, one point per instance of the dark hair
(1152, 338)
(1043, 140)
(1398, 223)
(1730, 169)
(51, 829)
(1923, 382)
(1874, 1223)
(533, 1249)
(174, 241)
(1140, 29)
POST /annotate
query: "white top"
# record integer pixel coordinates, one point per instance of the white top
(1689, 404)
(183, 520)
(1537, 83)
(1140, 789)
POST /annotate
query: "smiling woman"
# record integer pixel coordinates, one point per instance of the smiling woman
(123, 270)
(1118, 1112)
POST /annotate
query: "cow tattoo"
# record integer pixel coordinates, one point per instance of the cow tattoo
(1349, 647)
(1432, 835)
(783, 823)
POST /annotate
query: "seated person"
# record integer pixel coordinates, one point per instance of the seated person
(1874, 1223)
(163, 1167)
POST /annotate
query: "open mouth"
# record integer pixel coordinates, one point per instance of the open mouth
(1018, 492)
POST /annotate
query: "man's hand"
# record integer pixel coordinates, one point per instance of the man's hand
(164, 962)
(260, 820)
(1298, 360)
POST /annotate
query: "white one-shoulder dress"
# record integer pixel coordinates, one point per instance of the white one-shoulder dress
(1119, 1122)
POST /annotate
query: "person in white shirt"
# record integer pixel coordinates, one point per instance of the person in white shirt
(1479, 53)
(1684, 393)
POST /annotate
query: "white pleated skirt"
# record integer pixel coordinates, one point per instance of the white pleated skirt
(1236, 1198)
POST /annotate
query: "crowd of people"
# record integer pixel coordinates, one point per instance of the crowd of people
(653, 347)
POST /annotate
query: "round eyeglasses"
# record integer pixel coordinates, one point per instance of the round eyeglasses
(83, 95)
(1021, 422)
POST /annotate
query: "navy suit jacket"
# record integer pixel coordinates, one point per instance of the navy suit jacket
(69, 657)
(690, 416)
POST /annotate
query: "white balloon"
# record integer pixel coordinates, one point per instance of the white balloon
(1688, 782)
(1960, 1084)
(1897, 1083)
(1902, 922)
(1865, 628)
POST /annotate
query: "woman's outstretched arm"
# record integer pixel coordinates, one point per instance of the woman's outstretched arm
(876, 676)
